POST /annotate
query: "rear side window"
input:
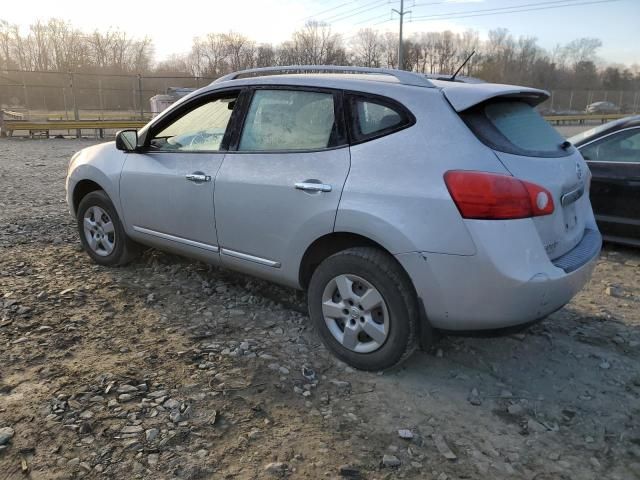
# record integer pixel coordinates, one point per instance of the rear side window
(514, 127)
(373, 117)
(289, 120)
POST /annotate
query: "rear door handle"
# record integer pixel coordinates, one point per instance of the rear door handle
(313, 187)
(198, 177)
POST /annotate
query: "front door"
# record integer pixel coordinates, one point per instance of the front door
(167, 189)
(615, 187)
(279, 190)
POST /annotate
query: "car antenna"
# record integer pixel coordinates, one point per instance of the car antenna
(453, 77)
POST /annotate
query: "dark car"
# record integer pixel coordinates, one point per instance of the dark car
(612, 152)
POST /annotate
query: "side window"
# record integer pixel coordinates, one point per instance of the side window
(200, 129)
(373, 117)
(620, 147)
(289, 120)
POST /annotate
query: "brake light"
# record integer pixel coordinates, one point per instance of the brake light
(493, 196)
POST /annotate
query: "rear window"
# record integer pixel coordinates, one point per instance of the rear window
(515, 127)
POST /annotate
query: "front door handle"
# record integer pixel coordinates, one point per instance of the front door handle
(198, 177)
(313, 187)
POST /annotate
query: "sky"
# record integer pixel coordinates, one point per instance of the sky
(172, 28)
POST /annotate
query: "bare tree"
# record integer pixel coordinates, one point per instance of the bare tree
(240, 51)
(315, 44)
(174, 64)
(390, 49)
(582, 50)
(367, 48)
(208, 55)
(265, 55)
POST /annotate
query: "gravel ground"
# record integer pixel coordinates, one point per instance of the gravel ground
(170, 368)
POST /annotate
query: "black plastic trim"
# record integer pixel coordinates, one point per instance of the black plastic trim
(355, 136)
(585, 251)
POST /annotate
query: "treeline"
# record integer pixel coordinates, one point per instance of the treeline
(501, 58)
(56, 45)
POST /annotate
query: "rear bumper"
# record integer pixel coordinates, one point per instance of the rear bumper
(504, 284)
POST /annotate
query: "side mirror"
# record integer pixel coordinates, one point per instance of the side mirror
(127, 140)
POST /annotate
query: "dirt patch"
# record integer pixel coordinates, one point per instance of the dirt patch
(169, 368)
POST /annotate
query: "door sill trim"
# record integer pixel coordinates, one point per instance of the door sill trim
(173, 238)
(250, 258)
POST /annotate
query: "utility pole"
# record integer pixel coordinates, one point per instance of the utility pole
(401, 13)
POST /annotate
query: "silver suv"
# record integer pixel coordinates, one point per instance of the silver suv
(401, 204)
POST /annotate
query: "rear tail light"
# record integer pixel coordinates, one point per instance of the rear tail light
(492, 196)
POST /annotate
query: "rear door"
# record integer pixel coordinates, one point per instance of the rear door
(534, 151)
(279, 186)
(614, 161)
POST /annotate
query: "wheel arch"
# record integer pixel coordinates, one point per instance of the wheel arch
(82, 189)
(334, 242)
(326, 246)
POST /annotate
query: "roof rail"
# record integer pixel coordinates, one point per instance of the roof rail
(404, 77)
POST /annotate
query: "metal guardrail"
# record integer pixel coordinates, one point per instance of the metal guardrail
(582, 117)
(99, 126)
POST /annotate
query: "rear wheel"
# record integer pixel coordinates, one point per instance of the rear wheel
(101, 232)
(364, 308)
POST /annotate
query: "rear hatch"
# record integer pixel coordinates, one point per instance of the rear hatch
(503, 117)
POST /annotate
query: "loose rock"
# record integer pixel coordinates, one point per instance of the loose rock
(390, 461)
(276, 468)
(6, 434)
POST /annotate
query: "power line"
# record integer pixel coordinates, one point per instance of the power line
(377, 17)
(514, 9)
(495, 9)
(357, 11)
(498, 11)
(424, 4)
(329, 10)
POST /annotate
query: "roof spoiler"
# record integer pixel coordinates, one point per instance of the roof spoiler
(464, 96)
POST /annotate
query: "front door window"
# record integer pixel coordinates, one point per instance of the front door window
(200, 129)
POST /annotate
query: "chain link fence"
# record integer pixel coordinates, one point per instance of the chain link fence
(576, 101)
(97, 96)
(86, 96)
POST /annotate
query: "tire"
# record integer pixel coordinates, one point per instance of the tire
(111, 247)
(395, 318)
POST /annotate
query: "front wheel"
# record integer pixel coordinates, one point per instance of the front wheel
(364, 308)
(101, 232)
